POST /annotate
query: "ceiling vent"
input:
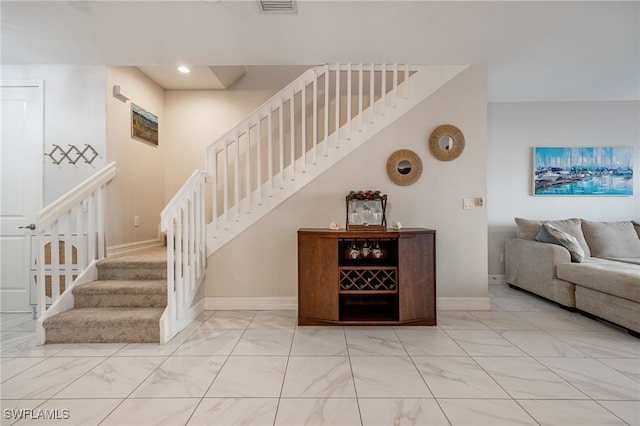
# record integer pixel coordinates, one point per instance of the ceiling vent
(283, 6)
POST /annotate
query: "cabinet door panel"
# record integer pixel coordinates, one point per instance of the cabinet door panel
(416, 266)
(317, 276)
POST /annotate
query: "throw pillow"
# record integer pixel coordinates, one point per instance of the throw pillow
(612, 239)
(637, 226)
(528, 229)
(550, 234)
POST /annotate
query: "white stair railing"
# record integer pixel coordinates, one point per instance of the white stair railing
(183, 221)
(310, 119)
(70, 238)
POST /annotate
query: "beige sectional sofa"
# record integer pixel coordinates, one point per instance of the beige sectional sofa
(594, 269)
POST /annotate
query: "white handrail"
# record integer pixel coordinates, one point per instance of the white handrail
(70, 238)
(183, 220)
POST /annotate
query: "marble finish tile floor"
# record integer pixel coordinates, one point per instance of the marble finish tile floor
(525, 362)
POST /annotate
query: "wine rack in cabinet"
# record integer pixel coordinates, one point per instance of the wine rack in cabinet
(366, 277)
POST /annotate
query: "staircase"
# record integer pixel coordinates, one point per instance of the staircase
(123, 305)
(304, 130)
(291, 139)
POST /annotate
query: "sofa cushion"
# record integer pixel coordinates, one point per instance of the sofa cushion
(633, 260)
(551, 234)
(528, 229)
(616, 278)
(611, 239)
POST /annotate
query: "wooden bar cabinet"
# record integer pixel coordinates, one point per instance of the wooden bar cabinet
(382, 277)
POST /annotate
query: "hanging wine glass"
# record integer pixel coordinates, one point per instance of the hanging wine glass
(354, 253)
(377, 251)
(365, 249)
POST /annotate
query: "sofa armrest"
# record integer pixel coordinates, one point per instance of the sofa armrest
(533, 260)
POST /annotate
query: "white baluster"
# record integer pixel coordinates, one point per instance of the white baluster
(179, 253)
(100, 198)
(248, 170)
(383, 90)
(406, 81)
(360, 95)
(349, 96)
(395, 85)
(80, 233)
(68, 252)
(326, 110)
(259, 158)
(292, 134)
(315, 118)
(372, 93)
(213, 170)
(338, 105)
(41, 306)
(281, 135)
(303, 97)
(225, 184)
(55, 261)
(236, 178)
(91, 225)
(270, 151)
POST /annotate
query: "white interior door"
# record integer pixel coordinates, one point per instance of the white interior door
(21, 165)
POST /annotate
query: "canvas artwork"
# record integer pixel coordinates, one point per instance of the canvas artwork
(144, 125)
(583, 170)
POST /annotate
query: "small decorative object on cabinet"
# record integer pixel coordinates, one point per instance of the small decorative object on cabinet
(366, 211)
(366, 278)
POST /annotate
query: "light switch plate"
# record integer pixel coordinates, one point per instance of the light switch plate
(468, 203)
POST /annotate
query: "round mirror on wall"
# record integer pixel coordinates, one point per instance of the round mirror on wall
(404, 167)
(446, 142)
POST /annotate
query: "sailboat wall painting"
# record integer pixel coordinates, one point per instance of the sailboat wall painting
(583, 171)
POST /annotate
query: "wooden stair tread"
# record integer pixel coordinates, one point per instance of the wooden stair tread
(103, 317)
(121, 287)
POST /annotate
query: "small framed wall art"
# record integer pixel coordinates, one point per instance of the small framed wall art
(144, 125)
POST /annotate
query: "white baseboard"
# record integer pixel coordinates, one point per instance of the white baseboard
(291, 303)
(497, 280)
(463, 304)
(251, 303)
(123, 248)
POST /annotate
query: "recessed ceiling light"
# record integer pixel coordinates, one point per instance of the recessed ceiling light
(184, 70)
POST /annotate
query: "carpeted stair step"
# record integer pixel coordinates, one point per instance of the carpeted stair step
(121, 293)
(104, 325)
(148, 264)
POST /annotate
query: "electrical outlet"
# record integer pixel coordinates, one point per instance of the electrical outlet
(136, 221)
(502, 257)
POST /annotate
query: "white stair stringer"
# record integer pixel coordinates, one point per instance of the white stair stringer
(422, 83)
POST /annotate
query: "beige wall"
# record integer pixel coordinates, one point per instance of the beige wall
(261, 262)
(138, 188)
(196, 119)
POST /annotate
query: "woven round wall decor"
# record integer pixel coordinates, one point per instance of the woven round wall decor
(404, 167)
(446, 142)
